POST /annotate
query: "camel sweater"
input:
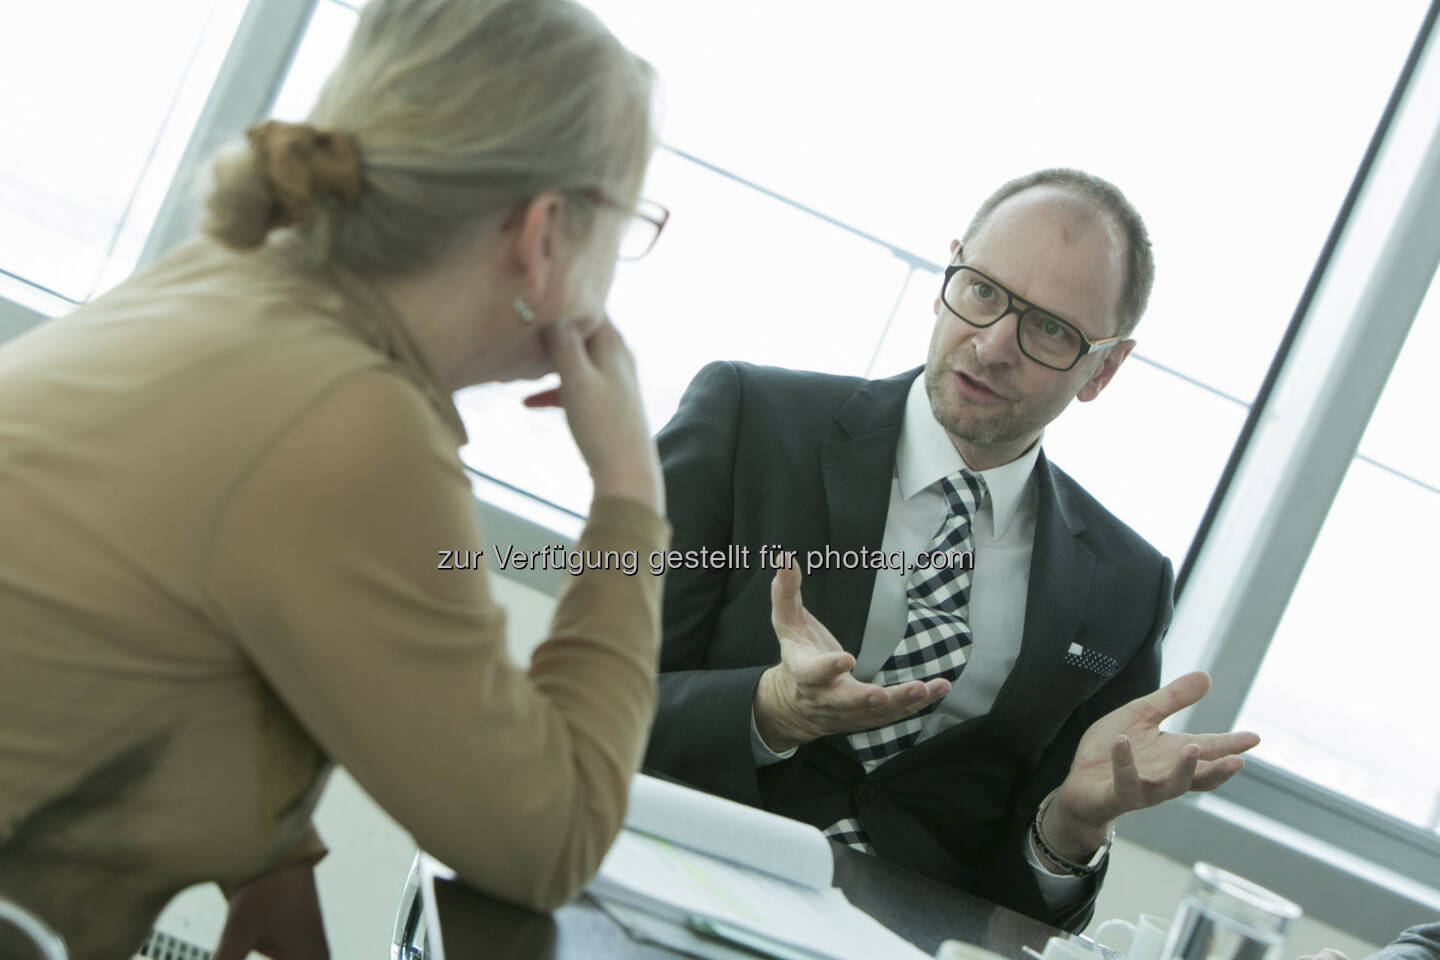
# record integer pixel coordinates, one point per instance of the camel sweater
(224, 487)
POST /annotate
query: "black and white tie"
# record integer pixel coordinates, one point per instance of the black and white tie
(937, 631)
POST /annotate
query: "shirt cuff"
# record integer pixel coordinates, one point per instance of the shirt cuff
(761, 753)
(1060, 891)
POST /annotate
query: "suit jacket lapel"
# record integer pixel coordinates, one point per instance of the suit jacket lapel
(1061, 568)
(856, 467)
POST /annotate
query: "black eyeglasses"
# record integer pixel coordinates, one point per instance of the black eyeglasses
(1043, 337)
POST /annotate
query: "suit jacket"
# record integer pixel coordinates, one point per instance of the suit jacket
(761, 456)
(1417, 943)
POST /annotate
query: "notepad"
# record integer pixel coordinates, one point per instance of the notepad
(739, 874)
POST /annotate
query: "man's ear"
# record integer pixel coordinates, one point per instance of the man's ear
(1113, 358)
(535, 238)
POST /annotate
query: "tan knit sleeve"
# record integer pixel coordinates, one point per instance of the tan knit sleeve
(324, 567)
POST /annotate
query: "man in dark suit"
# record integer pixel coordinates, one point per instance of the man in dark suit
(996, 743)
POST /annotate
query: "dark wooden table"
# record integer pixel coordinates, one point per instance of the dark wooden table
(917, 908)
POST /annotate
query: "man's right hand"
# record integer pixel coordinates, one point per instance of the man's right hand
(811, 693)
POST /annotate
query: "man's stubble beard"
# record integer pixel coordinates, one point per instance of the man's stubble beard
(1010, 425)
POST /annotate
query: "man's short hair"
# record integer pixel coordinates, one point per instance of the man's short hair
(1139, 260)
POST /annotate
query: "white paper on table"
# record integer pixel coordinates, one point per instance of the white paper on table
(722, 828)
(675, 883)
(648, 928)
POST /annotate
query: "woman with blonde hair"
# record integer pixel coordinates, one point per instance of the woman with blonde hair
(226, 484)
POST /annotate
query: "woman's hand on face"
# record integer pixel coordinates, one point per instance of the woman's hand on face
(601, 397)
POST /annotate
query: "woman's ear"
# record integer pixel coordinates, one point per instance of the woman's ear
(537, 235)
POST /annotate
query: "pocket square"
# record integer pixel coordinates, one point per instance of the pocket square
(1092, 660)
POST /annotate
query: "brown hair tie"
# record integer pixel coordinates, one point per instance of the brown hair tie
(305, 166)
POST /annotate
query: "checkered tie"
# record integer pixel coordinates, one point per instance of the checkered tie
(937, 633)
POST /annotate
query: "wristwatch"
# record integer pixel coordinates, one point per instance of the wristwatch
(1069, 866)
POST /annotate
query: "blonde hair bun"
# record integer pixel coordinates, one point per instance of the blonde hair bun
(239, 209)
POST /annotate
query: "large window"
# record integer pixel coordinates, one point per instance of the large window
(1236, 140)
(1346, 695)
(816, 180)
(97, 102)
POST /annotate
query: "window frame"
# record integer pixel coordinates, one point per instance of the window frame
(1298, 442)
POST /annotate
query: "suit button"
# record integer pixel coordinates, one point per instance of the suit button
(864, 792)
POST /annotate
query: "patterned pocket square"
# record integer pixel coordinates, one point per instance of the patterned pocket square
(1092, 660)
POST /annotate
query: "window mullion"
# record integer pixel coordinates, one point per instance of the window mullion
(254, 68)
(1313, 420)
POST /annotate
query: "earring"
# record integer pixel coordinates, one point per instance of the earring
(524, 311)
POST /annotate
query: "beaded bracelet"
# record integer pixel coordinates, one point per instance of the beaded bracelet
(1069, 866)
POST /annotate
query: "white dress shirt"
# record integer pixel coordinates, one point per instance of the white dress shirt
(1003, 533)
(1003, 530)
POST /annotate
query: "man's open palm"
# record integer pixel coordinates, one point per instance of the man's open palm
(1125, 762)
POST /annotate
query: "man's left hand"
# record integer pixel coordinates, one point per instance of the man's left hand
(277, 914)
(1124, 762)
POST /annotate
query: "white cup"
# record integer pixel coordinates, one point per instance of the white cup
(1063, 948)
(1143, 940)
